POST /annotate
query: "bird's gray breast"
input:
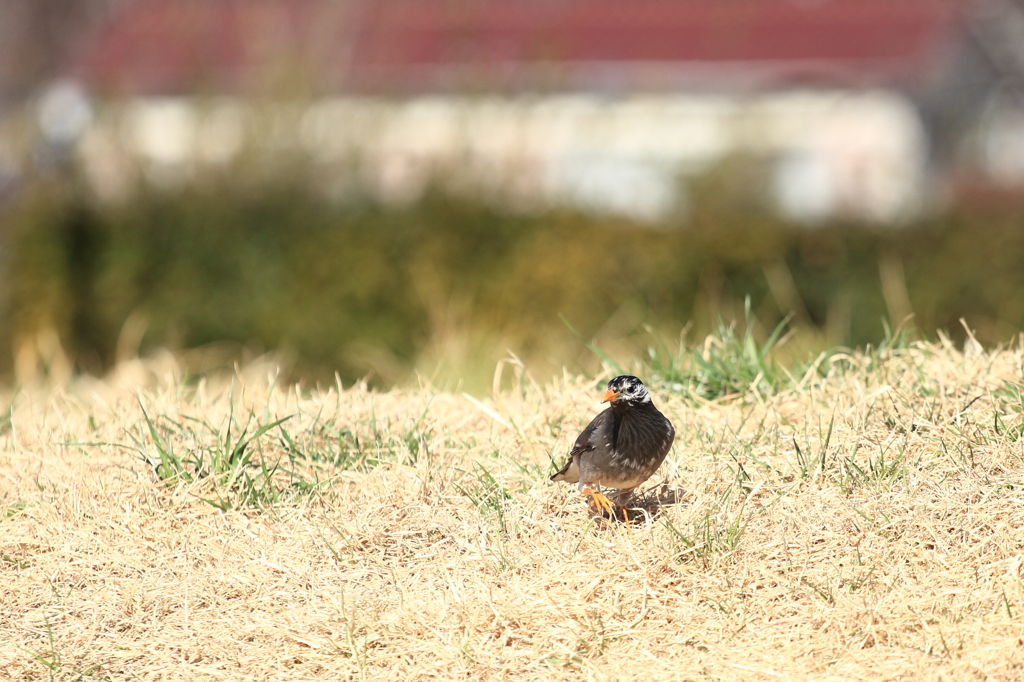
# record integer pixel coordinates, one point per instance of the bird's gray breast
(640, 445)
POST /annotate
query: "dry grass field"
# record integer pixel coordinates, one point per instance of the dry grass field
(865, 521)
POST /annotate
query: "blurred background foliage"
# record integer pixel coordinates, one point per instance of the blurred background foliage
(439, 188)
(447, 285)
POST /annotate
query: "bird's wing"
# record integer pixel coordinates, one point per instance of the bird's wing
(570, 472)
(584, 443)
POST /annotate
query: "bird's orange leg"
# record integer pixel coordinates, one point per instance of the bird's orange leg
(621, 498)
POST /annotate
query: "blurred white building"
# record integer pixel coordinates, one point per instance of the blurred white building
(858, 108)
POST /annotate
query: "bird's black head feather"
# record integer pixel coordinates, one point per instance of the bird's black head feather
(628, 389)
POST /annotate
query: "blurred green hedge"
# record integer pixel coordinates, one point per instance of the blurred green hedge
(360, 289)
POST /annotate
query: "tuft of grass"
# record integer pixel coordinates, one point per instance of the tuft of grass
(728, 363)
(236, 464)
(12, 510)
(709, 532)
(13, 561)
(491, 499)
(1010, 423)
(57, 669)
(220, 460)
(488, 496)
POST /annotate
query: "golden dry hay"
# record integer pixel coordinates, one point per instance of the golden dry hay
(865, 526)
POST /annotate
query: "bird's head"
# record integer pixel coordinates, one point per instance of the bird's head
(626, 389)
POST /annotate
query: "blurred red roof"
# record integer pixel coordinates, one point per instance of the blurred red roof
(401, 46)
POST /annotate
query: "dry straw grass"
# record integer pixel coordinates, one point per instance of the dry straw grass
(866, 525)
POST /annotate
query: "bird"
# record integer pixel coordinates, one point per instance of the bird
(621, 448)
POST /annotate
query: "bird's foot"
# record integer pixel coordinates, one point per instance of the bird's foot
(602, 505)
(599, 502)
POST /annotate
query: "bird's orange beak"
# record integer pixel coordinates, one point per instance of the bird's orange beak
(610, 395)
